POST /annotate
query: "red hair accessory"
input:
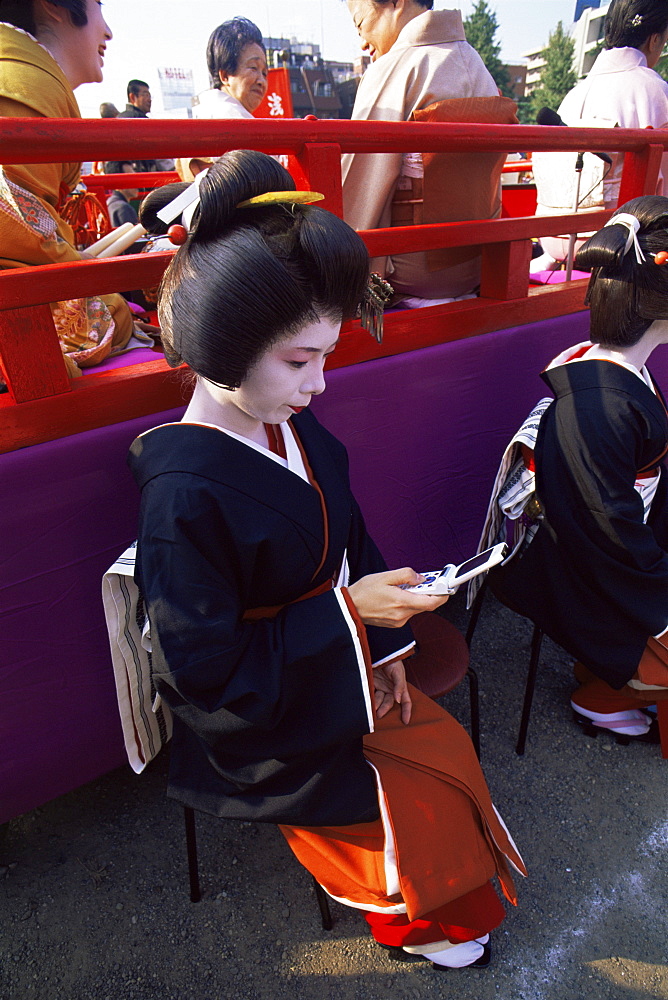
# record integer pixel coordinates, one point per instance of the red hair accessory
(177, 235)
(661, 257)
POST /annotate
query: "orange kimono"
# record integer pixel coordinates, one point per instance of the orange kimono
(32, 85)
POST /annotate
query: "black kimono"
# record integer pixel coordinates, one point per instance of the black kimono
(595, 576)
(269, 715)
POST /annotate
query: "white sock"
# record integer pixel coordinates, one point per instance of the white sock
(458, 956)
(638, 723)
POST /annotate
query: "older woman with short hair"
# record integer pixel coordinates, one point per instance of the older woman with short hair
(237, 64)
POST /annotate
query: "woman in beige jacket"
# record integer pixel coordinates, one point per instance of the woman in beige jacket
(420, 58)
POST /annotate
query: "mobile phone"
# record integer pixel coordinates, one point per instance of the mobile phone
(451, 577)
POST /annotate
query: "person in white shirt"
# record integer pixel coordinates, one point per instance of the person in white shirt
(237, 62)
(622, 89)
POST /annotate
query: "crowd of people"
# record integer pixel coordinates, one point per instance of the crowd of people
(277, 632)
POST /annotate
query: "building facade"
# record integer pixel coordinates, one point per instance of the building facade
(319, 87)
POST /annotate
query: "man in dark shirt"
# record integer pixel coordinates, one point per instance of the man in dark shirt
(139, 100)
(138, 106)
(120, 209)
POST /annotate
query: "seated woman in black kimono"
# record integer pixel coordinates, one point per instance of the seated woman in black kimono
(595, 575)
(277, 631)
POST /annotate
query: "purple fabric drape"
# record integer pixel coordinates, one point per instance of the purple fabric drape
(425, 432)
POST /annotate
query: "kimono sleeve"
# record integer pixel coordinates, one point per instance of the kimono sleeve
(365, 558)
(270, 689)
(588, 459)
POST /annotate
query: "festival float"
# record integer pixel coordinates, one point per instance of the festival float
(425, 414)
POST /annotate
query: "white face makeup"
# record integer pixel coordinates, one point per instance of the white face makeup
(282, 382)
(248, 84)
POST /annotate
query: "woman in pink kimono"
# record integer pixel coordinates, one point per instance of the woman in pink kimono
(422, 69)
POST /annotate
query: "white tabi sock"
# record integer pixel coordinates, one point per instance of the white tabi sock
(458, 956)
(631, 722)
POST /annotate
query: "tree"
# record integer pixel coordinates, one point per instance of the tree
(557, 76)
(480, 28)
(662, 67)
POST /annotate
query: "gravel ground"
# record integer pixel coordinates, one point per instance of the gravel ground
(95, 905)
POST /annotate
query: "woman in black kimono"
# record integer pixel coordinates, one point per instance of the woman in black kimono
(277, 631)
(595, 576)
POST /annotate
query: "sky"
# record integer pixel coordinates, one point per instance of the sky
(153, 33)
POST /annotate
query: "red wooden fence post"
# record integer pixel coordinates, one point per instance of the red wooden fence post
(505, 270)
(30, 354)
(640, 173)
(321, 164)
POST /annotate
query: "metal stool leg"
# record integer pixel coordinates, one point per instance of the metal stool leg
(323, 903)
(536, 642)
(475, 709)
(475, 613)
(662, 716)
(193, 872)
(191, 847)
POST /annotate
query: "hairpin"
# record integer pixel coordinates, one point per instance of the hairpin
(661, 257)
(378, 293)
(633, 225)
(280, 197)
(636, 21)
(177, 205)
(177, 234)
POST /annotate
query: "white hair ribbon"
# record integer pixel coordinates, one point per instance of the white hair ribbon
(633, 225)
(178, 205)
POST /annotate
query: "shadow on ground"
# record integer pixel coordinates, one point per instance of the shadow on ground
(95, 903)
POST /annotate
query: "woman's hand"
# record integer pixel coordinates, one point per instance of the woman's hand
(379, 599)
(389, 682)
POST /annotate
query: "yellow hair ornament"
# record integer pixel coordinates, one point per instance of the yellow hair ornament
(281, 197)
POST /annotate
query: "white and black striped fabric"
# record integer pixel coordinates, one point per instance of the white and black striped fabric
(146, 721)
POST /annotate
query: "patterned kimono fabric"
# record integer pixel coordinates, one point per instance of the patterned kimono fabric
(32, 85)
(421, 871)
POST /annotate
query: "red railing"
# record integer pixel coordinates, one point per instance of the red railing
(100, 184)
(515, 167)
(43, 403)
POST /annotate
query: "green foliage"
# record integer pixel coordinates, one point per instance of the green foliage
(557, 75)
(525, 111)
(480, 28)
(662, 67)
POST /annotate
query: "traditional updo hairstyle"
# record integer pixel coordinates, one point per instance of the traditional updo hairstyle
(21, 13)
(249, 277)
(624, 296)
(631, 22)
(226, 44)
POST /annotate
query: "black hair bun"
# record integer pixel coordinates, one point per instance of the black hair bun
(154, 202)
(237, 176)
(606, 248)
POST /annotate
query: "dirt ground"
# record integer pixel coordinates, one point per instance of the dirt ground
(94, 895)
